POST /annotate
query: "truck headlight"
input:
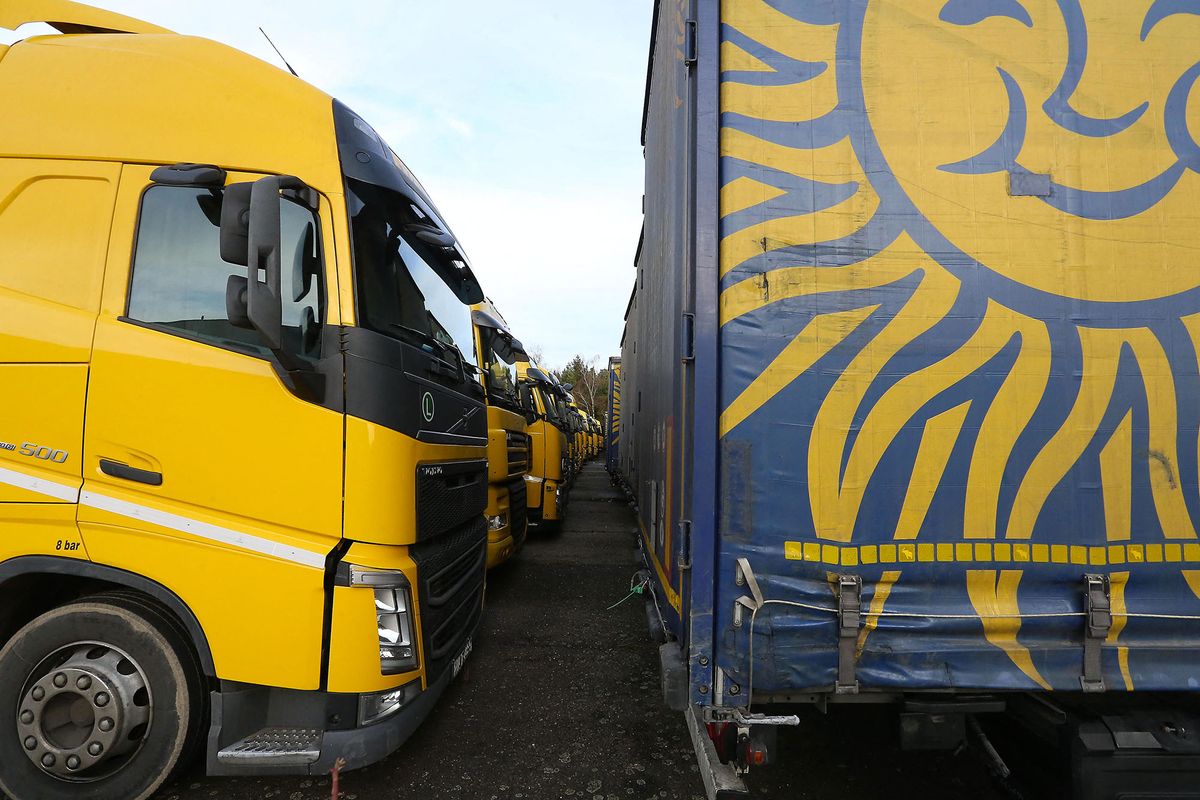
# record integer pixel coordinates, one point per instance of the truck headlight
(381, 705)
(393, 615)
(497, 522)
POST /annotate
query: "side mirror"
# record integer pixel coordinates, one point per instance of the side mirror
(264, 304)
(250, 236)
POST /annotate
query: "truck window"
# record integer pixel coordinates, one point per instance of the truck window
(178, 280)
(404, 289)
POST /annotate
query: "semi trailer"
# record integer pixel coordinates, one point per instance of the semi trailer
(612, 427)
(243, 452)
(909, 375)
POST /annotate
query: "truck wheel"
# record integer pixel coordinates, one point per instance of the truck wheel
(101, 699)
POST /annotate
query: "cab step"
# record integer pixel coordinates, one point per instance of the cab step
(274, 747)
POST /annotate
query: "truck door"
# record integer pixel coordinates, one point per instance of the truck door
(54, 228)
(202, 469)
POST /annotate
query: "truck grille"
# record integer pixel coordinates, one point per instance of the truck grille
(449, 495)
(450, 590)
(518, 513)
(518, 453)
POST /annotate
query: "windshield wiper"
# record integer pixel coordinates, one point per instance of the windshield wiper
(422, 337)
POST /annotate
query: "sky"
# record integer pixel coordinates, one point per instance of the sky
(521, 118)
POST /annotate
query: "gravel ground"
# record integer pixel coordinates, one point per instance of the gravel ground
(560, 699)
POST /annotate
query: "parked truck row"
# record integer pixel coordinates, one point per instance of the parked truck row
(907, 394)
(261, 433)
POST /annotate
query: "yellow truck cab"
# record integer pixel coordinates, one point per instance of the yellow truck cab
(587, 434)
(242, 460)
(578, 440)
(549, 452)
(508, 441)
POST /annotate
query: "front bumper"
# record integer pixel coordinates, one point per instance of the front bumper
(500, 547)
(240, 710)
(363, 746)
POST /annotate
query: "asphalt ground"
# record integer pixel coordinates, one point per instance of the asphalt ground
(560, 699)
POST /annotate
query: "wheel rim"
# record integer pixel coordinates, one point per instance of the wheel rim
(84, 712)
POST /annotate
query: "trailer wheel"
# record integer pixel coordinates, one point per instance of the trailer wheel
(101, 700)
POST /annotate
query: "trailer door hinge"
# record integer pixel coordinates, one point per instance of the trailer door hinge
(1098, 607)
(685, 545)
(849, 616)
(689, 44)
(688, 336)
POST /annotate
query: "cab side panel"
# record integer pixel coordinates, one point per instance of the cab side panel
(54, 225)
(230, 486)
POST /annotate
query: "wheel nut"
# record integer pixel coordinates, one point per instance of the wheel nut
(38, 693)
(106, 724)
(95, 748)
(27, 717)
(84, 682)
(48, 760)
(73, 762)
(60, 680)
(102, 699)
(30, 743)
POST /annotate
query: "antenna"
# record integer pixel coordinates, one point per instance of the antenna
(276, 49)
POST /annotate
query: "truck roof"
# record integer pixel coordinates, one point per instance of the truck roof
(143, 94)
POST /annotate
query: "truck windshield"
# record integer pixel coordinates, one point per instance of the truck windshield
(501, 375)
(550, 406)
(404, 285)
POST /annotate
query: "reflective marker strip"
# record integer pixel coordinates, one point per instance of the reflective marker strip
(163, 519)
(53, 489)
(204, 530)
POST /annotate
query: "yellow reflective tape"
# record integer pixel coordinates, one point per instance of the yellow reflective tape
(988, 552)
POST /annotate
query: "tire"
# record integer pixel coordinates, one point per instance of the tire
(116, 641)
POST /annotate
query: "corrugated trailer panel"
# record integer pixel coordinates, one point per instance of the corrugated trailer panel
(959, 302)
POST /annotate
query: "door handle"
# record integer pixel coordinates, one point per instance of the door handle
(126, 472)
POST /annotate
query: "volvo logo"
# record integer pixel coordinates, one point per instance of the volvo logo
(427, 406)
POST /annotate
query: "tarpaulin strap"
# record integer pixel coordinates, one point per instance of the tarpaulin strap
(849, 615)
(1098, 606)
(744, 576)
